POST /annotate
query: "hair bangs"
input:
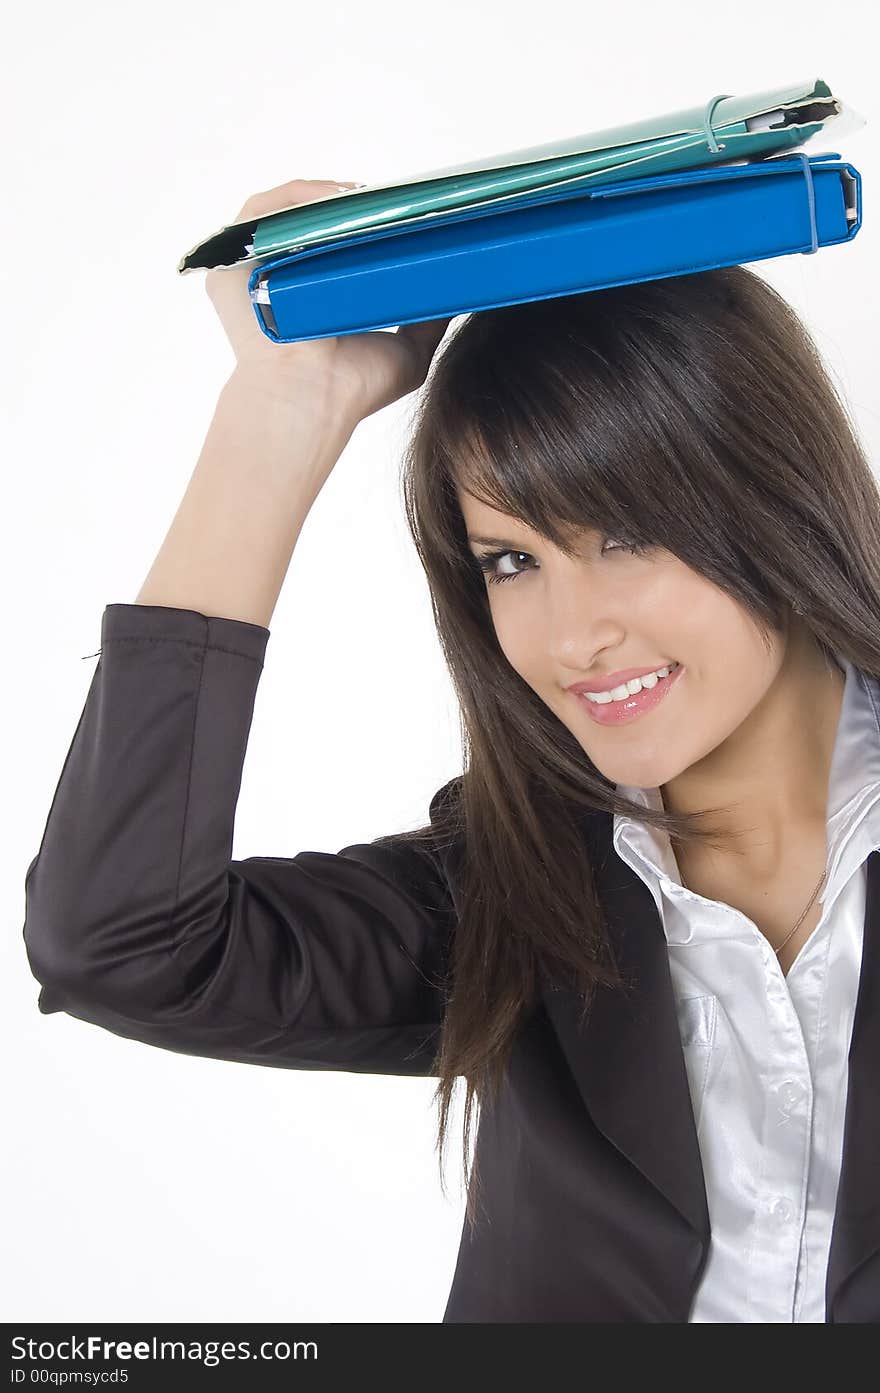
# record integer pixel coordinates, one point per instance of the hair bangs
(564, 434)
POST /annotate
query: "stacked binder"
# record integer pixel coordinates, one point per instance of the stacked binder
(687, 191)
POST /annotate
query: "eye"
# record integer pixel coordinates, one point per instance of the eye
(488, 561)
(488, 564)
(633, 547)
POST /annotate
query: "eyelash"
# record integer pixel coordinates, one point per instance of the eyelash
(488, 560)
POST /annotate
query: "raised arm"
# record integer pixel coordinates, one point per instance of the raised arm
(137, 919)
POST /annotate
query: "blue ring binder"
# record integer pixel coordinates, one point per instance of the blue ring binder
(560, 242)
(754, 167)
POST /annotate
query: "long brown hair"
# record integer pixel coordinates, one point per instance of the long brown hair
(694, 414)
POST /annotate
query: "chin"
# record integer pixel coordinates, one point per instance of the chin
(640, 773)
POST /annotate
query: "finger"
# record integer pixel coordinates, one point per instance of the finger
(224, 287)
(295, 191)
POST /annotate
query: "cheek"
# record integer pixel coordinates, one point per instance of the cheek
(519, 641)
(734, 693)
(721, 645)
(521, 662)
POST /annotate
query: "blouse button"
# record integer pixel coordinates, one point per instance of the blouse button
(790, 1093)
(782, 1210)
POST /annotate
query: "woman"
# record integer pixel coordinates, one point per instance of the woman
(634, 925)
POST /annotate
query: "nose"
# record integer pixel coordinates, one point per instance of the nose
(580, 621)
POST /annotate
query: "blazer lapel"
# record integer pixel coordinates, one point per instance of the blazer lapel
(627, 1058)
(855, 1236)
(629, 1067)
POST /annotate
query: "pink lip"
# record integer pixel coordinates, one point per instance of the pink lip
(615, 713)
(614, 679)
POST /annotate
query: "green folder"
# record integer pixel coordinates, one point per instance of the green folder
(723, 130)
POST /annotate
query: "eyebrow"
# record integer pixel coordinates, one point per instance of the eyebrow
(493, 542)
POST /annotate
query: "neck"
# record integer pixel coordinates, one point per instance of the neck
(770, 778)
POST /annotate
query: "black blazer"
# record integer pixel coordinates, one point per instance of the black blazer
(593, 1198)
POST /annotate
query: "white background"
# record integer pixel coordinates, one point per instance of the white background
(144, 1185)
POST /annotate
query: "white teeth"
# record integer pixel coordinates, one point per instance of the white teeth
(627, 689)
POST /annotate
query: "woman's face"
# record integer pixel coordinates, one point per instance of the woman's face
(560, 621)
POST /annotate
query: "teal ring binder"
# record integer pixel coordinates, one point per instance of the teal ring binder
(707, 121)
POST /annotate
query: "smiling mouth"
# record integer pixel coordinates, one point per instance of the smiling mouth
(604, 697)
(621, 711)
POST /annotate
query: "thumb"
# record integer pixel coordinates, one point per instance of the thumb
(424, 337)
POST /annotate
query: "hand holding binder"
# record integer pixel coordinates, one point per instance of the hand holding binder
(360, 375)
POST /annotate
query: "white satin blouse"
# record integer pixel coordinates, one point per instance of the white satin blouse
(766, 1054)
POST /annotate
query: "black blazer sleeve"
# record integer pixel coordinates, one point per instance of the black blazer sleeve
(137, 920)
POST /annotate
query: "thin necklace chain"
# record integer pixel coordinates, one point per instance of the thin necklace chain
(804, 915)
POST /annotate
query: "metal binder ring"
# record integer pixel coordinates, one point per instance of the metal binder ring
(707, 121)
